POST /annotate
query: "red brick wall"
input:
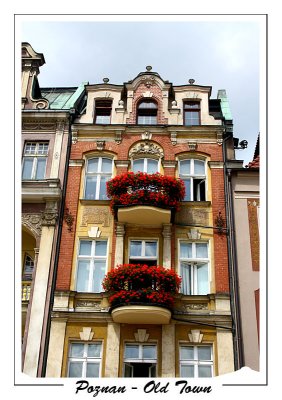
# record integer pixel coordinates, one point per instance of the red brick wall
(220, 240)
(67, 240)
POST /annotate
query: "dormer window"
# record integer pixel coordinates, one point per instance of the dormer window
(147, 113)
(191, 113)
(103, 109)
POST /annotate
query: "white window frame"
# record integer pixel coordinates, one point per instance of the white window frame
(35, 156)
(193, 176)
(85, 359)
(97, 174)
(92, 258)
(196, 362)
(143, 244)
(145, 163)
(140, 360)
(193, 263)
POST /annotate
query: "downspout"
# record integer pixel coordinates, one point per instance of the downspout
(72, 115)
(232, 265)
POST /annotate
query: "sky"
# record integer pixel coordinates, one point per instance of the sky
(220, 52)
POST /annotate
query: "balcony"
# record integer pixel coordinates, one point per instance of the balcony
(141, 294)
(26, 290)
(145, 199)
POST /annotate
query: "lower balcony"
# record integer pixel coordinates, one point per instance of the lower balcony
(141, 314)
(141, 294)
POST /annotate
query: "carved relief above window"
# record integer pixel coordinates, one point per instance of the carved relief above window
(147, 148)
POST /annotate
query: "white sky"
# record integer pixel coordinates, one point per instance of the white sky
(221, 52)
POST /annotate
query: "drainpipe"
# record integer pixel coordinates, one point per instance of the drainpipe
(72, 115)
(232, 265)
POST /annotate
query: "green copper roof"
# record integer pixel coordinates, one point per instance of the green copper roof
(62, 98)
(224, 103)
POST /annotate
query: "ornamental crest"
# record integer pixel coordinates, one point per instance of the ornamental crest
(146, 148)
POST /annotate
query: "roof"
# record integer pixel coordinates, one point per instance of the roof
(62, 98)
(254, 163)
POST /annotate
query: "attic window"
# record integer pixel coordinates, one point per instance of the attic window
(191, 113)
(103, 109)
(147, 113)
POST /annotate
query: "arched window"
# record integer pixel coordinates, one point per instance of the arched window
(147, 111)
(193, 173)
(98, 172)
(148, 165)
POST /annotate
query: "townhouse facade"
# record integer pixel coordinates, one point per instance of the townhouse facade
(140, 138)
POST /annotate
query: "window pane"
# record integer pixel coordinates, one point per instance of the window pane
(185, 167)
(204, 371)
(138, 165)
(77, 350)
(187, 183)
(128, 371)
(90, 190)
(92, 370)
(27, 168)
(106, 165)
(85, 248)
(152, 166)
(150, 352)
(99, 274)
(185, 250)
(199, 167)
(202, 279)
(135, 248)
(187, 353)
(147, 119)
(40, 170)
(75, 369)
(30, 148)
(103, 119)
(150, 249)
(147, 104)
(187, 371)
(83, 276)
(201, 250)
(43, 148)
(92, 165)
(204, 353)
(100, 248)
(94, 350)
(185, 272)
(103, 188)
(131, 351)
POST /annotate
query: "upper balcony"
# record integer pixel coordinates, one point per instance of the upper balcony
(141, 294)
(145, 199)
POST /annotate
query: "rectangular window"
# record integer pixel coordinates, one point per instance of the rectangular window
(193, 173)
(194, 268)
(103, 110)
(143, 252)
(34, 160)
(91, 265)
(140, 360)
(85, 360)
(196, 362)
(191, 113)
(98, 172)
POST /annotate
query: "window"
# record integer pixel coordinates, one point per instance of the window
(147, 165)
(98, 172)
(103, 109)
(194, 268)
(147, 112)
(143, 252)
(34, 160)
(28, 268)
(140, 360)
(191, 113)
(192, 172)
(196, 362)
(84, 360)
(91, 266)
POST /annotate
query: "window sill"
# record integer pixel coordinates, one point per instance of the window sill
(196, 203)
(90, 202)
